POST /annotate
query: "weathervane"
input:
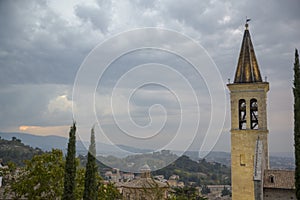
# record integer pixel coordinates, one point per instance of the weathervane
(247, 20)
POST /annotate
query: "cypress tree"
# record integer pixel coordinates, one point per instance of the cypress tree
(90, 184)
(296, 91)
(70, 167)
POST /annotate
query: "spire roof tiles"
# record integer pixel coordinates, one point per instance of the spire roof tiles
(247, 69)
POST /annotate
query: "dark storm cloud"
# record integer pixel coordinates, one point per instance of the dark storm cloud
(200, 15)
(42, 49)
(37, 46)
(100, 16)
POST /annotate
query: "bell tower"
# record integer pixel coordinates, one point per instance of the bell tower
(248, 96)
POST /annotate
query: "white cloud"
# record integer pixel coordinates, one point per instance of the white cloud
(225, 19)
(60, 104)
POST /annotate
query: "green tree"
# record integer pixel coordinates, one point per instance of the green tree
(296, 91)
(90, 184)
(11, 166)
(41, 178)
(205, 189)
(70, 167)
(108, 191)
(80, 172)
(225, 192)
(6, 172)
(186, 193)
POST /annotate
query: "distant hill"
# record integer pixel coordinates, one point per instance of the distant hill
(47, 143)
(15, 151)
(282, 160)
(199, 172)
(213, 156)
(278, 160)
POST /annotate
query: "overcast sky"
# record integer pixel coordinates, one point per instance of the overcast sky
(44, 43)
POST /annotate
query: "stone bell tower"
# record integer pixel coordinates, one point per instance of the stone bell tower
(248, 95)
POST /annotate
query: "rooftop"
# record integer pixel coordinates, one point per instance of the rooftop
(279, 179)
(247, 69)
(143, 183)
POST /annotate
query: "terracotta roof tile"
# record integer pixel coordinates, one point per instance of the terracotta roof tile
(144, 183)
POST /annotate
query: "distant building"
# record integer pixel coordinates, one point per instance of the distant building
(113, 175)
(174, 181)
(218, 188)
(251, 177)
(145, 187)
(279, 184)
(174, 177)
(160, 177)
(127, 177)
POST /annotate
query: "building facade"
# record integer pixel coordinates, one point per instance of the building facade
(279, 184)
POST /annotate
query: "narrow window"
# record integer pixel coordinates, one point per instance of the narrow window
(254, 113)
(271, 179)
(242, 160)
(242, 114)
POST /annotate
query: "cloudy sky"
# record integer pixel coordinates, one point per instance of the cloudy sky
(44, 43)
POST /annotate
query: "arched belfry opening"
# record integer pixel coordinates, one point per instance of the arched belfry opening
(254, 113)
(242, 114)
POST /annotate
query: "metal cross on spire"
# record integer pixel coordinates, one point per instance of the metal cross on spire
(247, 20)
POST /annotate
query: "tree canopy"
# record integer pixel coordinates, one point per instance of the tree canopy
(296, 91)
(70, 167)
(40, 178)
(90, 184)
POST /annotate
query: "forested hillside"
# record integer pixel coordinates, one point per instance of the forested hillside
(201, 172)
(198, 172)
(15, 151)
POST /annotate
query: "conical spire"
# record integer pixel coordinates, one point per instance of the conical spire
(247, 69)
